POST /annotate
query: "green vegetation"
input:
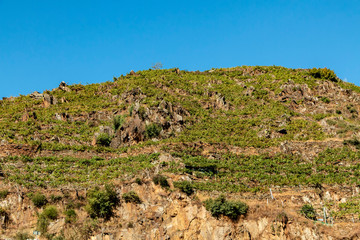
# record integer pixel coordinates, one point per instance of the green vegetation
(50, 212)
(240, 173)
(22, 236)
(152, 130)
(59, 171)
(3, 194)
(323, 73)
(118, 121)
(70, 216)
(308, 211)
(103, 139)
(221, 206)
(161, 180)
(101, 203)
(38, 199)
(131, 197)
(185, 187)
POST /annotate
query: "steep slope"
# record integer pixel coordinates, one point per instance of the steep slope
(237, 131)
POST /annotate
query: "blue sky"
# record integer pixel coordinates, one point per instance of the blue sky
(45, 42)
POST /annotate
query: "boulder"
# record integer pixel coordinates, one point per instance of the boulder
(63, 86)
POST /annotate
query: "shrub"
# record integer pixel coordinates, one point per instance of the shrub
(103, 139)
(325, 99)
(221, 206)
(42, 223)
(323, 73)
(101, 203)
(131, 197)
(152, 130)
(138, 181)
(355, 142)
(3, 194)
(185, 187)
(39, 200)
(70, 216)
(55, 198)
(308, 211)
(161, 180)
(118, 121)
(22, 236)
(50, 212)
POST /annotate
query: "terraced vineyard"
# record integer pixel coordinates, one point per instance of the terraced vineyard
(156, 133)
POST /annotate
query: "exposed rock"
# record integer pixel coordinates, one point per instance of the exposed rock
(63, 86)
(130, 133)
(49, 100)
(36, 95)
(62, 117)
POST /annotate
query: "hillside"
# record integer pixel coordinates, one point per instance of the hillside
(170, 140)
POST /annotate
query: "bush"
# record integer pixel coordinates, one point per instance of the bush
(131, 197)
(221, 206)
(50, 212)
(185, 187)
(42, 223)
(325, 99)
(103, 139)
(22, 236)
(39, 200)
(118, 121)
(308, 211)
(55, 198)
(161, 180)
(70, 216)
(3, 194)
(138, 181)
(101, 203)
(323, 73)
(152, 130)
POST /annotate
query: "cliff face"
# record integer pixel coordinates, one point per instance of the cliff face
(169, 142)
(169, 214)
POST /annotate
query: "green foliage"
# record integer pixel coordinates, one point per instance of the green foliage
(354, 142)
(325, 99)
(221, 206)
(103, 139)
(3, 212)
(70, 216)
(42, 223)
(138, 181)
(308, 211)
(50, 212)
(118, 121)
(55, 198)
(101, 203)
(161, 180)
(323, 73)
(60, 171)
(3, 194)
(22, 236)
(131, 197)
(185, 186)
(152, 130)
(39, 200)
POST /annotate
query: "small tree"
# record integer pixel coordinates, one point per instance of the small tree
(131, 197)
(152, 130)
(221, 206)
(308, 211)
(101, 203)
(103, 139)
(157, 66)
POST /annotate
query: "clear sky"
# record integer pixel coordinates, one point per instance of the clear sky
(44, 42)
